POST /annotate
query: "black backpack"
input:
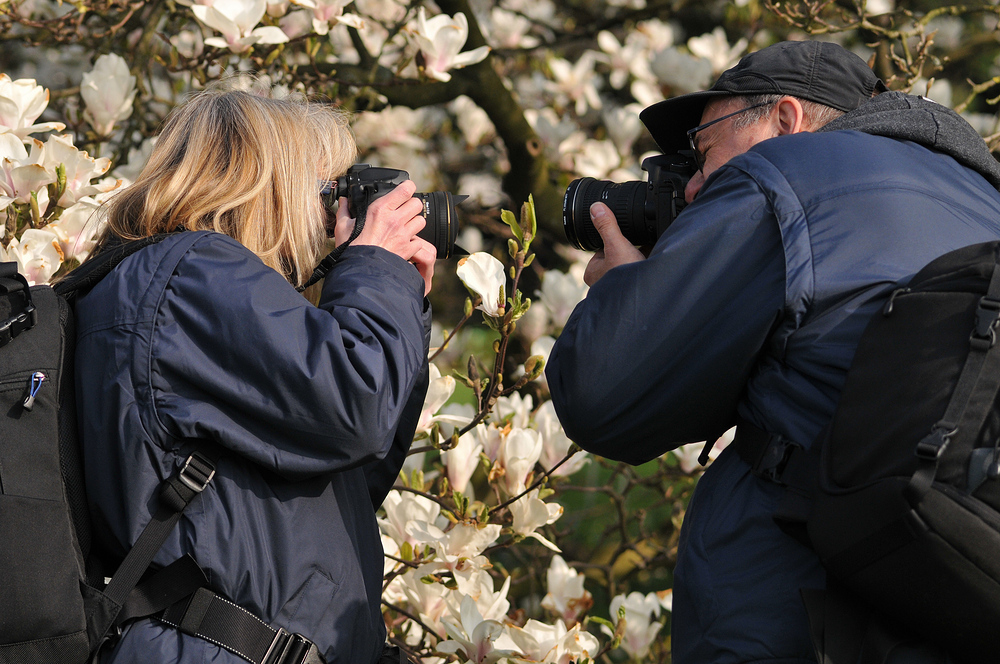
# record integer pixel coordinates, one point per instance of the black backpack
(56, 604)
(900, 496)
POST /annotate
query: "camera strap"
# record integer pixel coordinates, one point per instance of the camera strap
(331, 259)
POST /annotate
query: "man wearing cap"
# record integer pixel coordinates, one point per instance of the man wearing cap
(816, 197)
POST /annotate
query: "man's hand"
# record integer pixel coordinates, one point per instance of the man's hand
(392, 222)
(617, 250)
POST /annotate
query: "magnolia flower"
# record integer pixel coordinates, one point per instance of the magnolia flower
(552, 644)
(486, 190)
(473, 121)
(403, 508)
(38, 255)
(531, 513)
(566, 595)
(687, 455)
(80, 168)
(473, 636)
(574, 82)
(461, 462)
(441, 39)
(21, 102)
(326, 12)
(18, 181)
(108, 91)
(484, 276)
(682, 72)
(666, 598)
(555, 444)
(596, 159)
(715, 48)
(506, 29)
(430, 600)
(518, 456)
(640, 629)
(623, 59)
(463, 541)
(623, 126)
(490, 437)
(77, 228)
(560, 293)
(514, 410)
(439, 391)
(236, 20)
(477, 583)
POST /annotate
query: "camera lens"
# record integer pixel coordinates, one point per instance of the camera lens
(627, 201)
(442, 220)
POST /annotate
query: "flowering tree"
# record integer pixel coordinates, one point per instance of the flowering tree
(503, 540)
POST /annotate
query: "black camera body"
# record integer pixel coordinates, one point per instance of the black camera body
(643, 209)
(364, 183)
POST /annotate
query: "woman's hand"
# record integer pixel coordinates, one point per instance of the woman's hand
(392, 222)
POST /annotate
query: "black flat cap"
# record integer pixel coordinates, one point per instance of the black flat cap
(822, 72)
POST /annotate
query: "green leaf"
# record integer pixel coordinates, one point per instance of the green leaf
(509, 219)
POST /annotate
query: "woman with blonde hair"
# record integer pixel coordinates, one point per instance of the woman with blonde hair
(200, 342)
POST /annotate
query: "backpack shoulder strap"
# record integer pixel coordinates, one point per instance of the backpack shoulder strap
(82, 279)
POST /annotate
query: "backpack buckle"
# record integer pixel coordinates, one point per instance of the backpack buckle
(987, 316)
(197, 472)
(934, 444)
(15, 325)
(290, 648)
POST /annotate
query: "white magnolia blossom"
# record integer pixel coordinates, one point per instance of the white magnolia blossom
(237, 21)
(575, 82)
(555, 443)
(640, 627)
(560, 293)
(463, 541)
(331, 12)
(505, 29)
(680, 71)
(552, 644)
(486, 277)
(38, 255)
(473, 636)
(461, 461)
(531, 513)
(439, 390)
(108, 91)
(473, 121)
(429, 600)
(520, 452)
(624, 60)
(596, 159)
(714, 47)
(566, 596)
(514, 410)
(490, 437)
(476, 583)
(688, 455)
(80, 168)
(623, 126)
(402, 508)
(21, 102)
(77, 229)
(19, 180)
(440, 40)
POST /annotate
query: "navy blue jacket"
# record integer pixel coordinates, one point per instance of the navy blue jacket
(752, 303)
(193, 341)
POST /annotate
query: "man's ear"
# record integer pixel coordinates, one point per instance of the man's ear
(790, 117)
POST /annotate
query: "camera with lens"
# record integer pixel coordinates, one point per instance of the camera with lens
(643, 209)
(364, 183)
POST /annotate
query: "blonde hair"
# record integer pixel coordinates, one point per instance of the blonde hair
(244, 165)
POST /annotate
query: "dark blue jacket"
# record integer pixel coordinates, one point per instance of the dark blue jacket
(195, 340)
(752, 303)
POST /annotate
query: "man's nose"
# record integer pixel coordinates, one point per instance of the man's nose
(693, 186)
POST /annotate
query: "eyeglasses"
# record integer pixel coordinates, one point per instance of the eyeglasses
(699, 157)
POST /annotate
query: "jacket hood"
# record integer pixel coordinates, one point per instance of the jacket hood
(918, 119)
